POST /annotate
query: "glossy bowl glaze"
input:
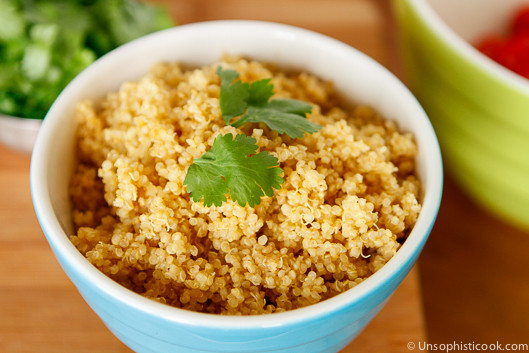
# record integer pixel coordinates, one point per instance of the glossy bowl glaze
(148, 326)
(480, 110)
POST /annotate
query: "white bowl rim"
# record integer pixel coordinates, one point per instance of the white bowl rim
(469, 52)
(72, 256)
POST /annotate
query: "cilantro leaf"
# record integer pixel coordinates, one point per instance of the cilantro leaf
(232, 166)
(233, 96)
(252, 104)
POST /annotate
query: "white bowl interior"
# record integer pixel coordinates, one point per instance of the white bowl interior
(355, 76)
(460, 24)
(472, 19)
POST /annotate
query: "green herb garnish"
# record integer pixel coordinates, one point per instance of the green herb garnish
(232, 165)
(252, 103)
(44, 44)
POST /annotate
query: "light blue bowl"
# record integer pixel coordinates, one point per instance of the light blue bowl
(148, 326)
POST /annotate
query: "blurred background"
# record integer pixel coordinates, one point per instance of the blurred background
(473, 280)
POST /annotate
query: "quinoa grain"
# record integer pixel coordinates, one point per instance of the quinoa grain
(349, 199)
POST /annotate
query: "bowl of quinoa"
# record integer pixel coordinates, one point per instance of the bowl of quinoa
(304, 268)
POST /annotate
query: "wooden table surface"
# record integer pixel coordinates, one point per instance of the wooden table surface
(466, 270)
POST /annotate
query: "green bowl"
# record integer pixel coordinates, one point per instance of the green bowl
(452, 110)
(475, 170)
(501, 198)
(480, 110)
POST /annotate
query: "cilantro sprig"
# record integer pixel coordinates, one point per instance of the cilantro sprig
(252, 104)
(232, 164)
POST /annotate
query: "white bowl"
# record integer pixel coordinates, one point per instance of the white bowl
(19, 133)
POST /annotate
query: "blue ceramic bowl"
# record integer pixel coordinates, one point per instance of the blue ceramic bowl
(148, 326)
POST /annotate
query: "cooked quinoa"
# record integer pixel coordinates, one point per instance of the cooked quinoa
(349, 200)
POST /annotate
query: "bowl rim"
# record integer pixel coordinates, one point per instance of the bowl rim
(467, 50)
(60, 242)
